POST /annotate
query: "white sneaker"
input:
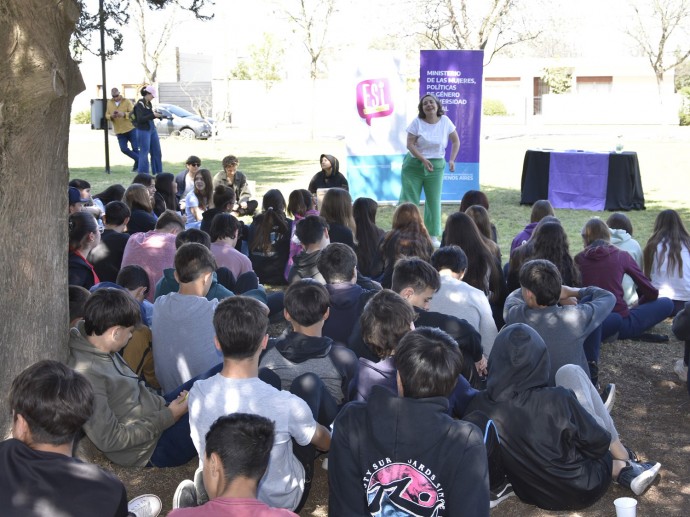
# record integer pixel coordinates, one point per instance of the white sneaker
(147, 505)
(435, 242)
(681, 370)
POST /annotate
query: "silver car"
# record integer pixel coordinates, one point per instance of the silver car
(180, 122)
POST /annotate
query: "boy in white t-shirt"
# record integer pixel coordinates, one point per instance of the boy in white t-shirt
(240, 324)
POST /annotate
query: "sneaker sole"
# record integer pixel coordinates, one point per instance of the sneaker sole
(680, 371)
(495, 502)
(641, 482)
(179, 491)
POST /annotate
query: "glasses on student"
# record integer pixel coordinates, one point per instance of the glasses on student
(195, 164)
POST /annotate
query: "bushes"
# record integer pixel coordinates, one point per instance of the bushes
(82, 117)
(684, 112)
(494, 107)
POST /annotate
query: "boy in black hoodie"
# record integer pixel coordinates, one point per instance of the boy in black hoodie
(405, 454)
(559, 446)
(310, 365)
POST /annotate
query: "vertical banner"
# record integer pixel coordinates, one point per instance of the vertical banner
(455, 78)
(376, 125)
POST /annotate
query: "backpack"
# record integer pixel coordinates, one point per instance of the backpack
(133, 115)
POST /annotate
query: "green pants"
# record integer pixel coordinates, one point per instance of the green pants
(414, 178)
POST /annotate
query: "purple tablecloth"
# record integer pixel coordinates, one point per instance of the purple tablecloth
(578, 180)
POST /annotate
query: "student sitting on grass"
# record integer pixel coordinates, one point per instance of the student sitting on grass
(240, 324)
(138, 352)
(154, 251)
(386, 318)
(50, 402)
(567, 319)
(540, 209)
(183, 321)
(238, 448)
(106, 258)
(560, 447)
(311, 365)
(404, 455)
(621, 230)
(338, 265)
(223, 282)
(417, 281)
(131, 424)
(460, 299)
(312, 232)
(223, 201)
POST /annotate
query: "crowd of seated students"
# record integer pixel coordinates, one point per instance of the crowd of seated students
(171, 343)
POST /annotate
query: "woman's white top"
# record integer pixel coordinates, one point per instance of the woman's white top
(191, 201)
(669, 284)
(431, 138)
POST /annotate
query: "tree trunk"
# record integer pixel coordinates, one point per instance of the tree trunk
(38, 82)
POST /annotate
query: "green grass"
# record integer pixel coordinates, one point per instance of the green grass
(287, 162)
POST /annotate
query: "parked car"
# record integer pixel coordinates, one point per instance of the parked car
(180, 122)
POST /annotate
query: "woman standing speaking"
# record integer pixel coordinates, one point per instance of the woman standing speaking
(423, 166)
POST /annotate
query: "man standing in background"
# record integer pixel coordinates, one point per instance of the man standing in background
(117, 111)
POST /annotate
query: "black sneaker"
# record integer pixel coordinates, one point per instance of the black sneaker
(638, 476)
(185, 495)
(135, 167)
(608, 396)
(648, 337)
(500, 494)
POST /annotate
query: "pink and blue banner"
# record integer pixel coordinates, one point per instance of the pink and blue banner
(455, 78)
(376, 127)
(376, 138)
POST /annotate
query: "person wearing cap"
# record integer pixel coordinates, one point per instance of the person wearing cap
(76, 202)
(146, 132)
(185, 179)
(117, 111)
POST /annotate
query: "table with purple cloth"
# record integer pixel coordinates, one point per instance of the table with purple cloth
(582, 180)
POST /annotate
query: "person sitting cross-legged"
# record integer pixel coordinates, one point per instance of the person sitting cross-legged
(240, 324)
(131, 424)
(238, 448)
(50, 402)
(559, 445)
(311, 365)
(569, 320)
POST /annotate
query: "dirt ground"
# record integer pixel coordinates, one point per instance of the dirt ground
(652, 414)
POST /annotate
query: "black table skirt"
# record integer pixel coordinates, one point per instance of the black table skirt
(623, 187)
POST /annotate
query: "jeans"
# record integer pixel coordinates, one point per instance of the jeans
(132, 138)
(175, 446)
(639, 320)
(149, 144)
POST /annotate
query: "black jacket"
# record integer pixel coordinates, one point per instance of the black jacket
(270, 266)
(106, 258)
(336, 179)
(554, 452)
(144, 114)
(79, 272)
(395, 455)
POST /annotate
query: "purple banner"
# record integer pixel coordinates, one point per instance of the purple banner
(455, 78)
(578, 180)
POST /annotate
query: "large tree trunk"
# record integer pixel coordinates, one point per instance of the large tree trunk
(38, 81)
